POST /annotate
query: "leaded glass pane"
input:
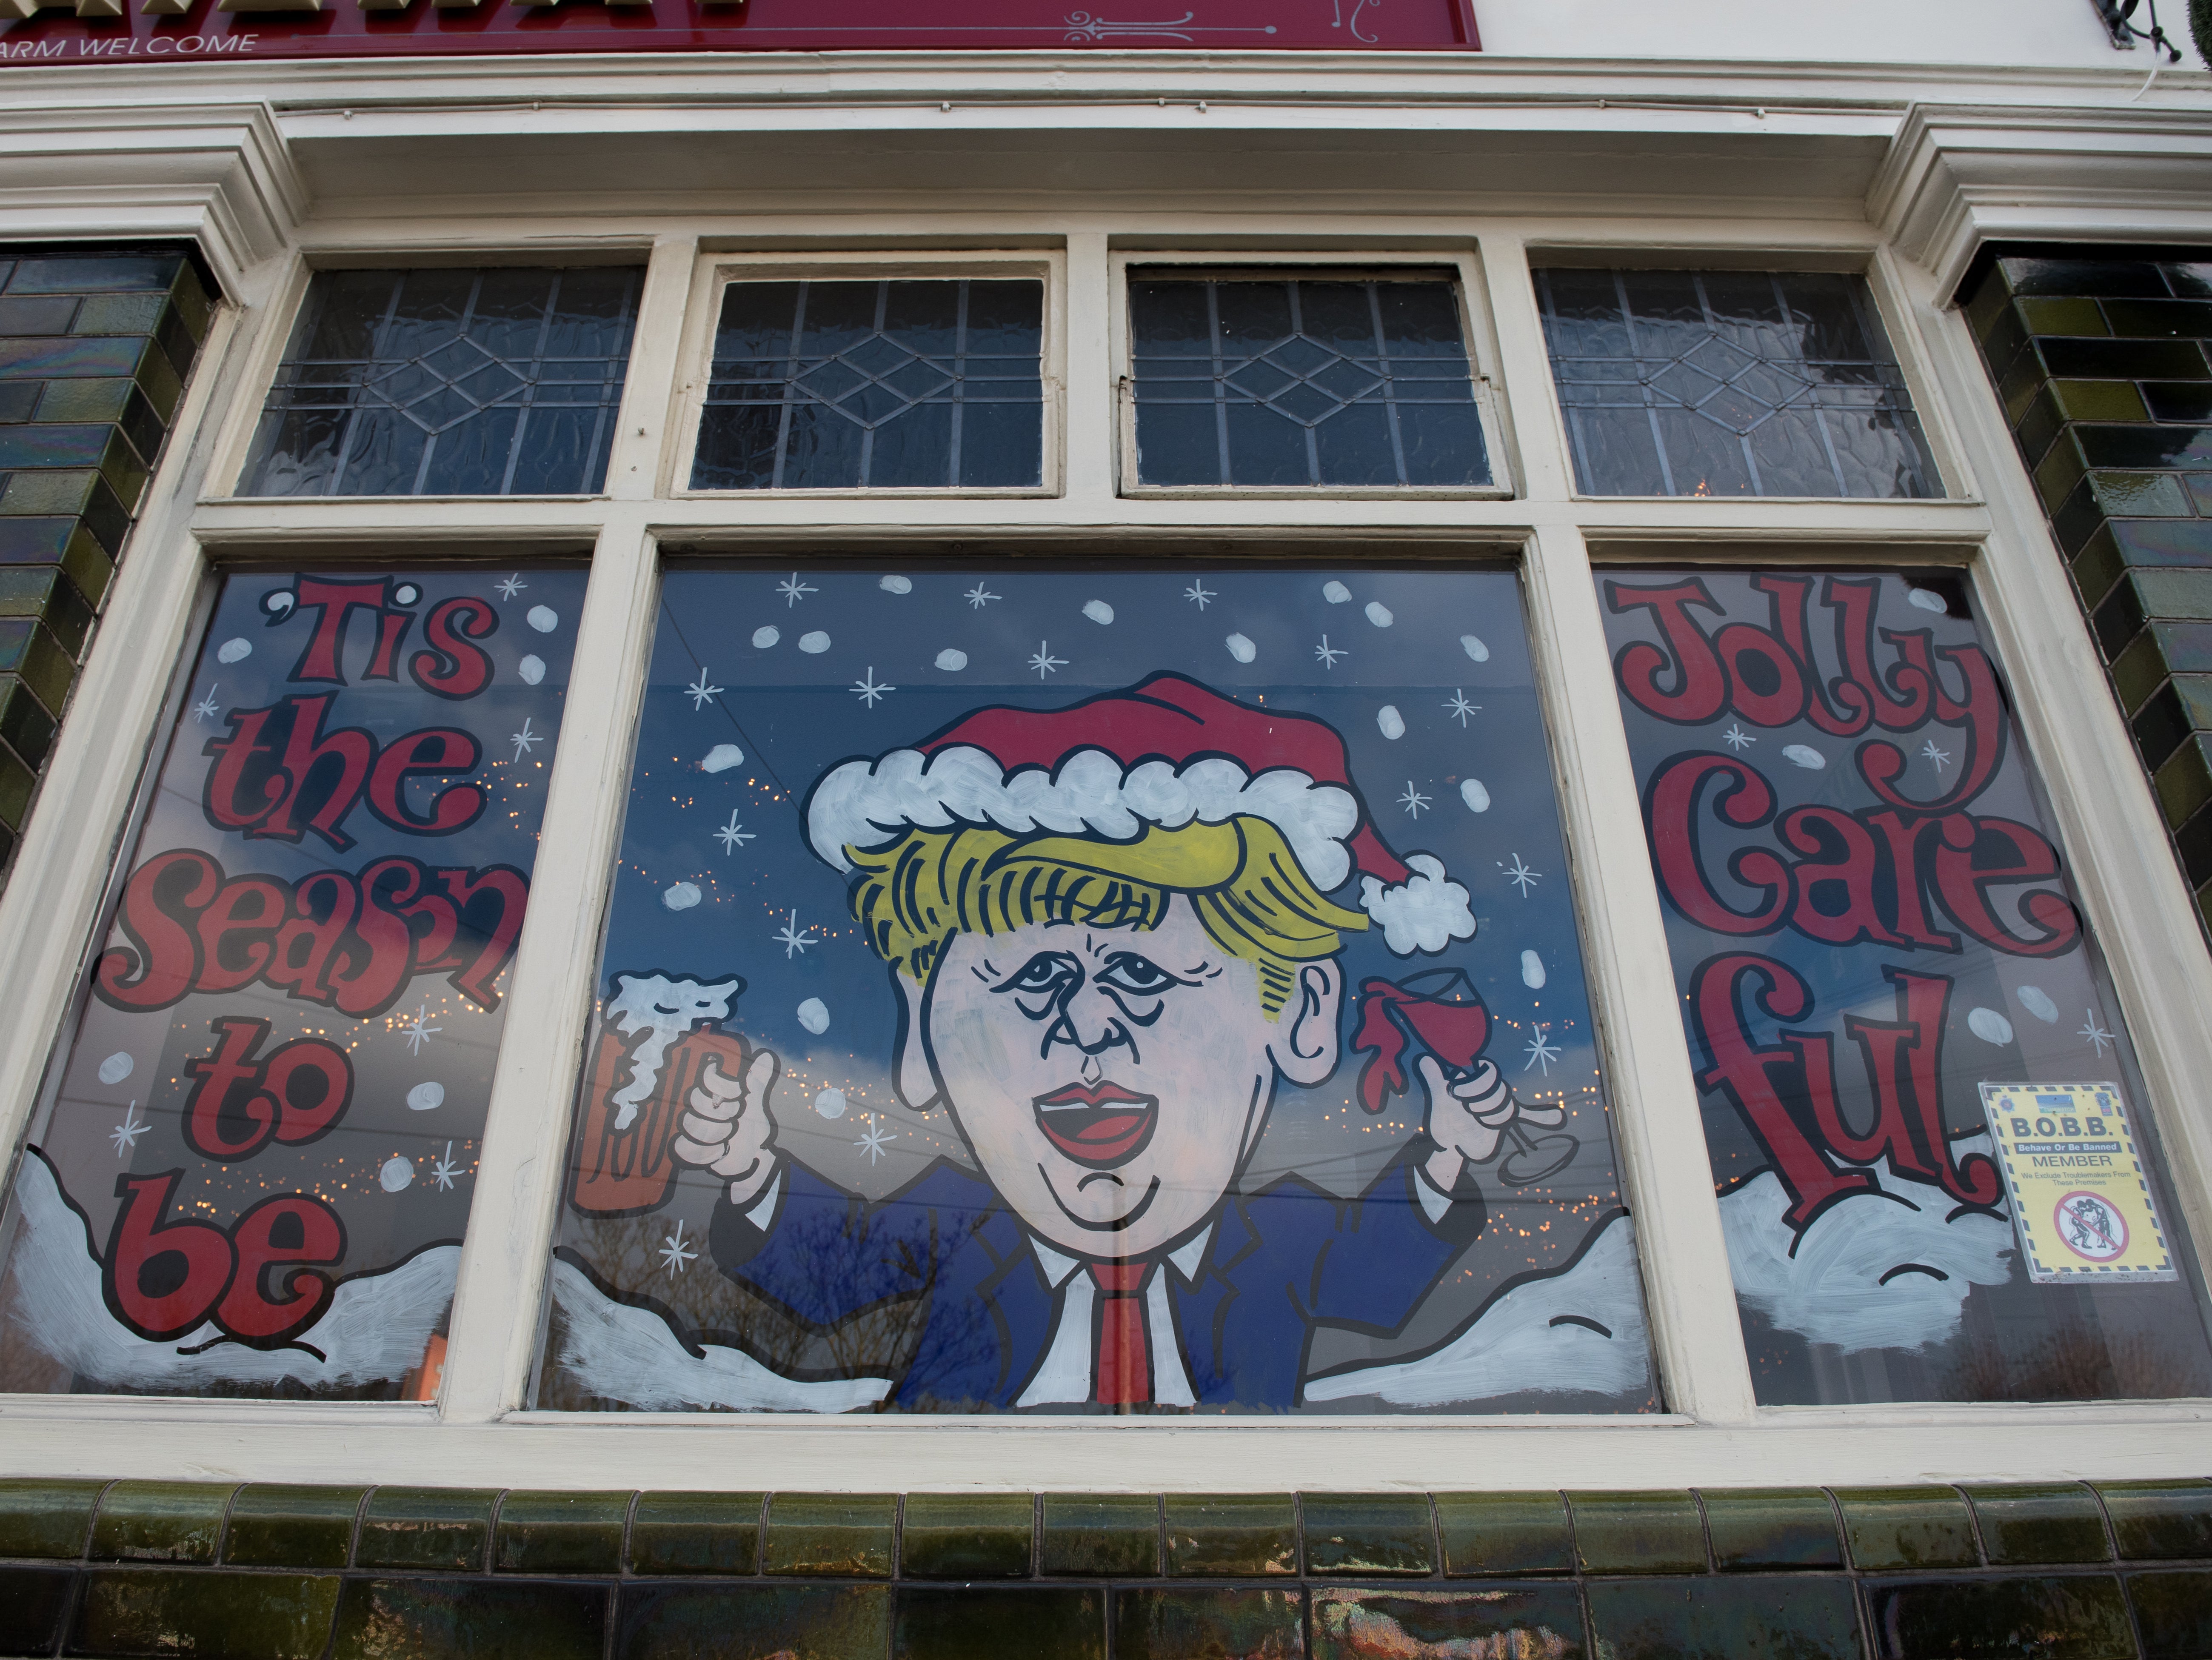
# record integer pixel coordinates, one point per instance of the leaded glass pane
(1938, 1171)
(1731, 383)
(891, 385)
(449, 382)
(1302, 382)
(1074, 991)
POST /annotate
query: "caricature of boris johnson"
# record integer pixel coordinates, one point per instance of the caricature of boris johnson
(1111, 937)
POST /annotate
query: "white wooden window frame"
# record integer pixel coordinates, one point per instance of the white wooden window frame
(1715, 1433)
(1198, 262)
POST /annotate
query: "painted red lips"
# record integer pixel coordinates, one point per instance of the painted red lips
(1099, 1124)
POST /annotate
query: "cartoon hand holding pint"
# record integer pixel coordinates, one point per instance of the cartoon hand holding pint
(726, 1127)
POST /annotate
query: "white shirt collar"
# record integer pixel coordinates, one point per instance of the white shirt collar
(1188, 1258)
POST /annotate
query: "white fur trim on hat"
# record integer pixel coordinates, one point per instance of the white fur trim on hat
(1425, 912)
(865, 804)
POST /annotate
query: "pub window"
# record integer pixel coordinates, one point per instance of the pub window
(1939, 1174)
(1062, 991)
(449, 381)
(1315, 379)
(891, 384)
(253, 1167)
(1731, 383)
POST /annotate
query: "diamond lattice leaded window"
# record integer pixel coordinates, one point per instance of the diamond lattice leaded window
(1263, 383)
(1731, 383)
(449, 382)
(886, 384)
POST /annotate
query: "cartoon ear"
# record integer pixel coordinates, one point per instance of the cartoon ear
(915, 1078)
(1305, 1047)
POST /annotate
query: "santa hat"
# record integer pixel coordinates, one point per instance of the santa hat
(1167, 752)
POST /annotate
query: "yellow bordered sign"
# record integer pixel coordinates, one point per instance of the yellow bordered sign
(2080, 1198)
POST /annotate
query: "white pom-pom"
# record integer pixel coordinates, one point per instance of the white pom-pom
(1423, 912)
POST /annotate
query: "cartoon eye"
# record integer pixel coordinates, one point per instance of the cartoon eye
(1044, 975)
(1135, 977)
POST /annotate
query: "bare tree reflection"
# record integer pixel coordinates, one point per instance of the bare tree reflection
(885, 1264)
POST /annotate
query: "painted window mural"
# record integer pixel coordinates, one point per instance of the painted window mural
(253, 1172)
(1938, 1177)
(1093, 991)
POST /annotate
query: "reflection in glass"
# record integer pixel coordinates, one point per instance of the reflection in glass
(1872, 931)
(1731, 383)
(875, 385)
(251, 1176)
(1027, 990)
(449, 382)
(1302, 382)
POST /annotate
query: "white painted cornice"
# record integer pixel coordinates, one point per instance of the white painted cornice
(1959, 175)
(220, 174)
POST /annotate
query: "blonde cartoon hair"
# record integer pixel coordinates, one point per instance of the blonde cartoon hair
(1254, 901)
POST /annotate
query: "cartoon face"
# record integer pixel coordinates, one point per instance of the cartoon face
(1110, 1081)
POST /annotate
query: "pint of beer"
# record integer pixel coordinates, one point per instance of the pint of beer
(626, 1170)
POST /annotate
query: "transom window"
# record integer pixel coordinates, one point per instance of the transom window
(1731, 383)
(449, 382)
(1271, 382)
(889, 385)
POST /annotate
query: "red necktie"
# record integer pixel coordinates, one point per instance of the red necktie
(1124, 1366)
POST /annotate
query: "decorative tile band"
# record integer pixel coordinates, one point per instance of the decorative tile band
(95, 346)
(127, 1568)
(2105, 368)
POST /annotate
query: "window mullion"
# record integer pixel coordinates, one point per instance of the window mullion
(1697, 1337)
(500, 1290)
(656, 353)
(1523, 372)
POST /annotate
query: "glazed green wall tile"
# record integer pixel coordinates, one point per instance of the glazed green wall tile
(1802, 1617)
(544, 1620)
(1516, 1620)
(948, 1624)
(1248, 1534)
(33, 1603)
(695, 1533)
(2037, 1525)
(2156, 1521)
(2075, 1617)
(1188, 1622)
(1368, 1533)
(276, 1526)
(1896, 1528)
(1490, 1533)
(2173, 1612)
(2106, 388)
(1754, 1527)
(47, 1518)
(426, 1528)
(560, 1532)
(1101, 1534)
(90, 378)
(160, 1521)
(268, 1616)
(847, 1536)
(753, 1622)
(967, 1536)
(1649, 1532)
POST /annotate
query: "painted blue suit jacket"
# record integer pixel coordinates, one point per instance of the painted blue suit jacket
(1278, 1262)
